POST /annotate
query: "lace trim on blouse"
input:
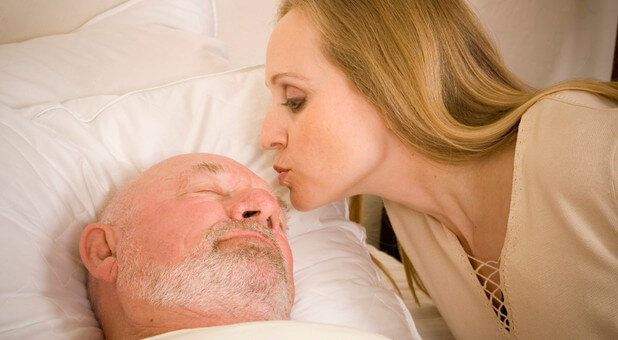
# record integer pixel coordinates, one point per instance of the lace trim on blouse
(488, 273)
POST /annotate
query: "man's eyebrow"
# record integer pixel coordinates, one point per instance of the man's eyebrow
(212, 167)
(217, 169)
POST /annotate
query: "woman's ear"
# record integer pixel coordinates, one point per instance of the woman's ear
(97, 248)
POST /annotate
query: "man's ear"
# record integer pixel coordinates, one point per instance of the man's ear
(97, 248)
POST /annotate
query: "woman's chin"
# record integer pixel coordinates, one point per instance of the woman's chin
(300, 203)
(307, 202)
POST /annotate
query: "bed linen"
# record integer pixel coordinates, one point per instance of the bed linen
(427, 318)
(138, 44)
(69, 142)
(272, 330)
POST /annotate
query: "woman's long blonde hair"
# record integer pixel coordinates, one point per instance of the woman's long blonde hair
(430, 70)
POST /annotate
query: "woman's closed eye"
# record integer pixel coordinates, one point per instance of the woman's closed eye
(295, 104)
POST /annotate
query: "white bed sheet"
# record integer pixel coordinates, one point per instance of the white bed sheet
(272, 330)
(427, 318)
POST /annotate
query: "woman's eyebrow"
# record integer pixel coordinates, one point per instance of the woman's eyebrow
(275, 77)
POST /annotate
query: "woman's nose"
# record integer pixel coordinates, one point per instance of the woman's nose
(258, 205)
(273, 135)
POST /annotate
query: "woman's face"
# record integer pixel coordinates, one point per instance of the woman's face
(330, 140)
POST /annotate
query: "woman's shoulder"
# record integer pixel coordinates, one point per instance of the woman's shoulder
(582, 99)
(569, 139)
(571, 116)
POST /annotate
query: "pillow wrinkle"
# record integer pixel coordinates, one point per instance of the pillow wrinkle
(105, 58)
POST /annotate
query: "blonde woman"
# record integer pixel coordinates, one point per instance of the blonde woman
(502, 196)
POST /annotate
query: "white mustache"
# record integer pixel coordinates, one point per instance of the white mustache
(218, 231)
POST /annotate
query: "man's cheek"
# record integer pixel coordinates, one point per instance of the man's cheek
(285, 250)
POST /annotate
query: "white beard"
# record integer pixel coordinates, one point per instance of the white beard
(250, 282)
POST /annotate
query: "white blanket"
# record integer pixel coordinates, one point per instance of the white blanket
(272, 330)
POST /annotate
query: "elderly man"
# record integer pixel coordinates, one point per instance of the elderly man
(197, 240)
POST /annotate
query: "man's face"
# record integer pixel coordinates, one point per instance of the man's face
(206, 231)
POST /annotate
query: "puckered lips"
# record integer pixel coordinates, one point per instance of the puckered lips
(283, 172)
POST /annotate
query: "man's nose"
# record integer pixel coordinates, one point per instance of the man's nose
(258, 205)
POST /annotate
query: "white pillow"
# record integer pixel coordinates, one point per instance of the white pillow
(138, 44)
(60, 163)
(27, 19)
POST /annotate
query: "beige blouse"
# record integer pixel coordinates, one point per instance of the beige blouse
(559, 264)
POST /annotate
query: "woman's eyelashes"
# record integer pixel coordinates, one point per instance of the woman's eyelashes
(295, 98)
(294, 104)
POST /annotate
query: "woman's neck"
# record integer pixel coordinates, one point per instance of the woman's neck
(472, 200)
